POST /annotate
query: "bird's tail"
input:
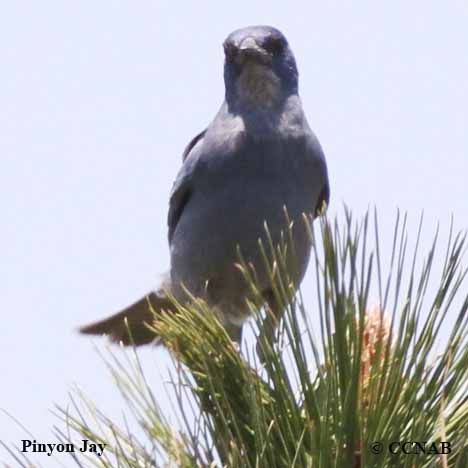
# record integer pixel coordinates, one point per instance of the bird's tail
(130, 326)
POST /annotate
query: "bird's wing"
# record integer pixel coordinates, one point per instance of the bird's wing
(192, 144)
(321, 172)
(182, 188)
(323, 199)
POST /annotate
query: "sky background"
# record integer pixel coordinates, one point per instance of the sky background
(98, 100)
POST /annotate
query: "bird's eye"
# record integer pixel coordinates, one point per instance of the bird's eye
(274, 44)
(230, 51)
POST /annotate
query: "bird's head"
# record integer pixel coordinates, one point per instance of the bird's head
(260, 70)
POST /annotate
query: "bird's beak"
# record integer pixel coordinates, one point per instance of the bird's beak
(250, 50)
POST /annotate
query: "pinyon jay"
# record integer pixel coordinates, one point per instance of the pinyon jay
(256, 158)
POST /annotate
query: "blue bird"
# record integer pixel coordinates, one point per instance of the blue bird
(256, 157)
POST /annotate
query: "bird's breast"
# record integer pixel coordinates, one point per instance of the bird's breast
(234, 198)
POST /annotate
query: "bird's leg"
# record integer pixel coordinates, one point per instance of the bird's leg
(273, 314)
(235, 332)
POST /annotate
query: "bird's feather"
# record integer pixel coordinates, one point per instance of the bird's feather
(182, 188)
(131, 325)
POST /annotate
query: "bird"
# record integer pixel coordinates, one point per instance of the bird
(255, 159)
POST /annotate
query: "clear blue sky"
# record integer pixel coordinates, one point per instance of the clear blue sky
(98, 100)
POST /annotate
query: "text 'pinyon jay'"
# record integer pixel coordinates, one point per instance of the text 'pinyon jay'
(256, 157)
